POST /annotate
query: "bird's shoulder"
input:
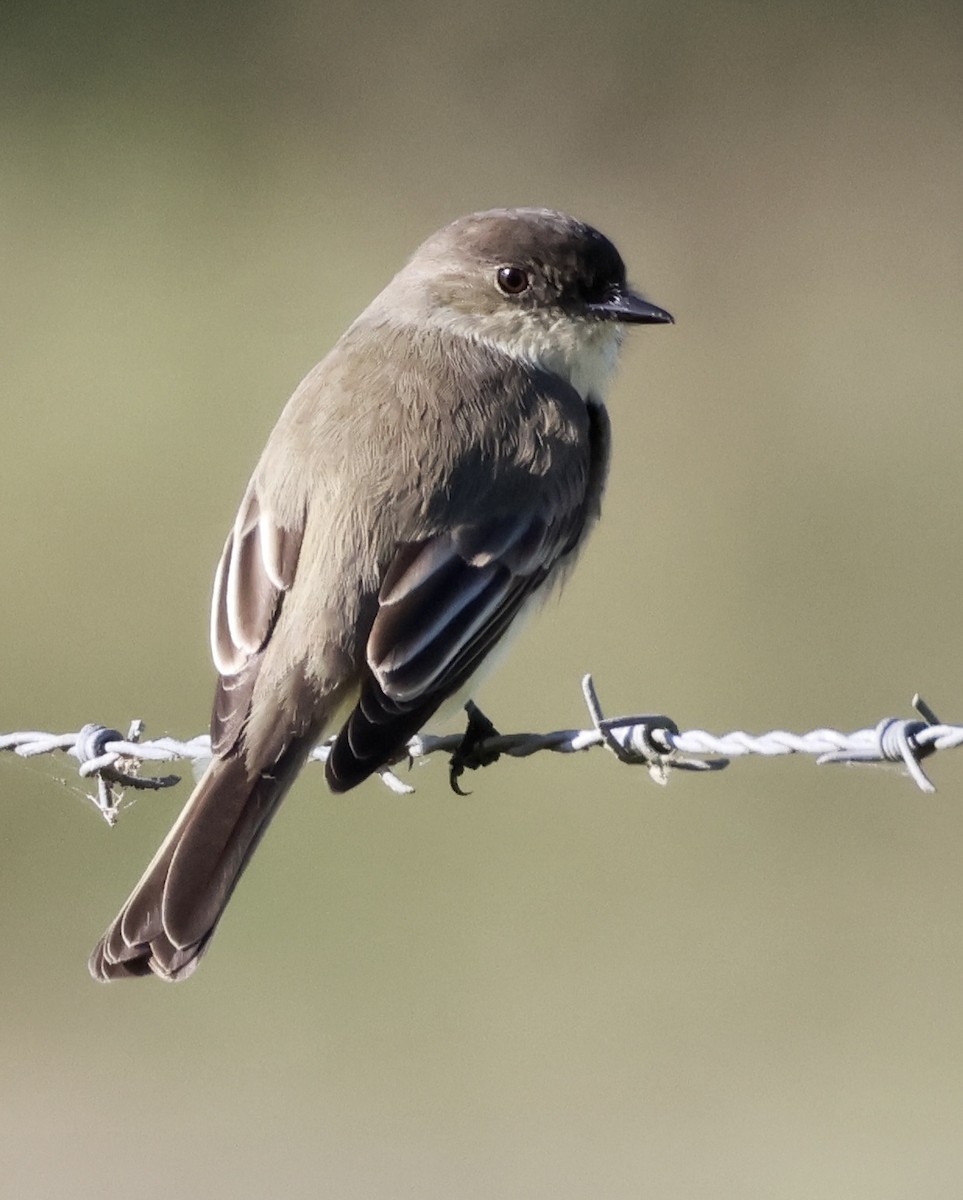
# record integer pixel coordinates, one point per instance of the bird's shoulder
(395, 400)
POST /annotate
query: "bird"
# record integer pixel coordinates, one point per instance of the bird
(428, 484)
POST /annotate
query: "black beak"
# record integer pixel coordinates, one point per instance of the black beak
(624, 305)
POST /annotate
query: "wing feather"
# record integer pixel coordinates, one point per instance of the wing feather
(444, 604)
(257, 566)
(256, 569)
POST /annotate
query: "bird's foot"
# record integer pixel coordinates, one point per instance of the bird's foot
(471, 754)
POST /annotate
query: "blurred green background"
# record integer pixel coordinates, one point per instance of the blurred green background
(573, 983)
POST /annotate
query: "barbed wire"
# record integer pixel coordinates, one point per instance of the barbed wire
(649, 740)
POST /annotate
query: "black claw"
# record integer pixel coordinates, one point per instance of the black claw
(471, 754)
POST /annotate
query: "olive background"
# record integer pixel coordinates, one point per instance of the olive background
(572, 983)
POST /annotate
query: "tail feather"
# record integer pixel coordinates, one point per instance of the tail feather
(170, 916)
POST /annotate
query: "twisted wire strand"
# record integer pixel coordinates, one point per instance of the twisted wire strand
(650, 740)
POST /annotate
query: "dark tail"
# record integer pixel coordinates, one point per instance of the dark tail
(171, 915)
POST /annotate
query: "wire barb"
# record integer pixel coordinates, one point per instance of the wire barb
(648, 740)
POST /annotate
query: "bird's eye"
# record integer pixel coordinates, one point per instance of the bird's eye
(513, 280)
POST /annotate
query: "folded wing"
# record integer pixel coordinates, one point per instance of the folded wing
(256, 568)
(443, 605)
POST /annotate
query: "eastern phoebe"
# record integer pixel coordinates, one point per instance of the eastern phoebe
(430, 478)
